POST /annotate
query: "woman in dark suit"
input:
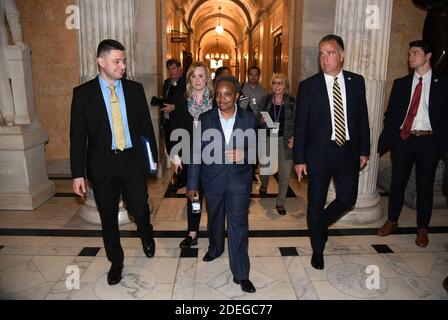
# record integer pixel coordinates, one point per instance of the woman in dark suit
(188, 108)
(281, 107)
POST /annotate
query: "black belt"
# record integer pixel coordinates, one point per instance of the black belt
(346, 142)
(117, 151)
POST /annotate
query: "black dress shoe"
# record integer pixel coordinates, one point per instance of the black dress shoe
(246, 285)
(281, 210)
(208, 258)
(263, 192)
(317, 261)
(149, 247)
(188, 242)
(114, 274)
(445, 284)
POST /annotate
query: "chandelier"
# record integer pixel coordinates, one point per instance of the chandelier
(216, 58)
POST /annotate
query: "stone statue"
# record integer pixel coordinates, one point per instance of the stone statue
(8, 14)
(435, 31)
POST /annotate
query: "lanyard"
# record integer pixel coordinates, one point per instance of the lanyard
(277, 115)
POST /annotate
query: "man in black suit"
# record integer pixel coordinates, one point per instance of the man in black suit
(227, 182)
(108, 118)
(173, 88)
(416, 131)
(332, 140)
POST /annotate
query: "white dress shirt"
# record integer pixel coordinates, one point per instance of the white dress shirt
(421, 120)
(329, 81)
(227, 125)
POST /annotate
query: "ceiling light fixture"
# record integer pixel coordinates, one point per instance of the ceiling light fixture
(219, 28)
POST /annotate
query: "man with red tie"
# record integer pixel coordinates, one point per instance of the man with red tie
(416, 131)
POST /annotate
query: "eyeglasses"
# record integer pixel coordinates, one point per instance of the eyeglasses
(277, 83)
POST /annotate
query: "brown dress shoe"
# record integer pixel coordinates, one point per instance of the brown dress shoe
(387, 228)
(422, 237)
(445, 284)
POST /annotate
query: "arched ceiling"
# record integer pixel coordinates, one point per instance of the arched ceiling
(236, 16)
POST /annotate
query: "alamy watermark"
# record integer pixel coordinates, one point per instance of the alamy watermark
(209, 146)
(72, 21)
(373, 280)
(373, 20)
(72, 281)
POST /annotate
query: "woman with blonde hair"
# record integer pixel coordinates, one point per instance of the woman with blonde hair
(197, 100)
(281, 108)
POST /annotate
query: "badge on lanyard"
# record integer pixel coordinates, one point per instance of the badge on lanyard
(276, 116)
(276, 127)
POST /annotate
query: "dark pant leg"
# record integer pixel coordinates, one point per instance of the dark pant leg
(317, 194)
(135, 194)
(167, 133)
(237, 209)
(107, 196)
(215, 223)
(345, 175)
(194, 219)
(402, 161)
(182, 177)
(427, 158)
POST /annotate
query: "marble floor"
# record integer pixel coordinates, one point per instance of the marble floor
(44, 252)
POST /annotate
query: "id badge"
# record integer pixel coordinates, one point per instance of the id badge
(276, 127)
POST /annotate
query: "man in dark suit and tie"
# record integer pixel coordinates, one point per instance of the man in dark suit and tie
(227, 182)
(416, 132)
(332, 140)
(109, 116)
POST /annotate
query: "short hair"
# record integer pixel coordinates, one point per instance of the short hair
(331, 37)
(221, 70)
(191, 69)
(421, 44)
(282, 77)
(172, 61)
(107, 45)
(230, 79)
(254, 67)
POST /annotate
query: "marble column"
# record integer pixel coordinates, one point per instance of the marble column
(99, 20)
(365, 27)
(105, 19)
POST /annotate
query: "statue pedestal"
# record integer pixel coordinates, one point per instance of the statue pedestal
(24, 183)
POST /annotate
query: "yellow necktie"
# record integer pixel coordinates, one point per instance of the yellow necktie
(339, 119)
(117, 120)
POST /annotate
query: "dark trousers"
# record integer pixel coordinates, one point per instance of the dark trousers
(422, 151)
(340, 166)
(167, 129)
(236, 206)
(194, 219)
(125, 178)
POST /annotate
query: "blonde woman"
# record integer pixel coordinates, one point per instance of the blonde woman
(281, 107)
(197, 100)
